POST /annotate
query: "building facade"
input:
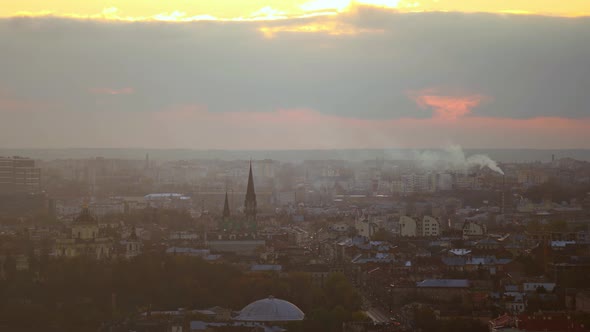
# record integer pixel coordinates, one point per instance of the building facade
(84, 239)
(19, 175)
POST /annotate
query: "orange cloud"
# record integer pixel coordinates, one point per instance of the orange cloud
(447, 107)
(330, 27)
(193, 126)
(111, 91)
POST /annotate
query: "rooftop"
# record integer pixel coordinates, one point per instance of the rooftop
(270, 310)
(443, 283)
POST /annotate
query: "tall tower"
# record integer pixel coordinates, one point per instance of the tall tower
(225, 222)
(250, 203)
(226, 208)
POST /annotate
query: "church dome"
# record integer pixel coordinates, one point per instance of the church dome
(270, 310)
(85, 217)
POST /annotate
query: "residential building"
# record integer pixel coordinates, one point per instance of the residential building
(472, 229)
(429, 227)
(19, 175)
(410, 227)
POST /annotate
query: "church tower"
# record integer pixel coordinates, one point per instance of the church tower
(225, 223)
(226, 213)
(250, 203)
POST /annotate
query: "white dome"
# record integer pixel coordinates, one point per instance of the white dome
(270, 310)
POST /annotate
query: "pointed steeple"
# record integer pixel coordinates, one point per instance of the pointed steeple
(226, 207)
(250, 202)
(250, 189)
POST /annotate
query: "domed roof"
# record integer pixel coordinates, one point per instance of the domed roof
(270, 310)
(85, 217)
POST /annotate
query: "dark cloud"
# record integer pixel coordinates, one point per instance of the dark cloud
(525, 66)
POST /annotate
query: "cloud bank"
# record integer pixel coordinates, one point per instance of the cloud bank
(368, 78)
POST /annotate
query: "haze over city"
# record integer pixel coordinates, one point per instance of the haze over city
(294, 165)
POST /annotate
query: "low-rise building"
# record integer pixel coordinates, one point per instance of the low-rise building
(473, 230)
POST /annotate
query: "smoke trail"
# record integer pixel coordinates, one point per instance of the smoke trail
(453, 158)
(483, 161)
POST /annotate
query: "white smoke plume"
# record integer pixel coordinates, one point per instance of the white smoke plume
(453, 158)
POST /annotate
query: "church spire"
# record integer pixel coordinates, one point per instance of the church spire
(250, 201)
(226, 207)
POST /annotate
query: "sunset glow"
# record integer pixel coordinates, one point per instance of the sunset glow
(447, 107)
(145, 10)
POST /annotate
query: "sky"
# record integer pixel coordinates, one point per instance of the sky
(323, 74)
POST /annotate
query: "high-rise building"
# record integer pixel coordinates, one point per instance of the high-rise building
(19, 175)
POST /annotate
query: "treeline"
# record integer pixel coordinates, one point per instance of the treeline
(557, 192)
(80, 294)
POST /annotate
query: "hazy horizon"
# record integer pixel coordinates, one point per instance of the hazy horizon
(499, 155)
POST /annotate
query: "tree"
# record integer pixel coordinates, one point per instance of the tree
(382, 235)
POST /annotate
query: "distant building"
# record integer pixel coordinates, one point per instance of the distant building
(473, 229)
(19, 175)
(270, 310)
(454, 291)
(467, 182)
(85, 239)
(428, 226)
(365, 227)
(418, 183)
(444, 181)
(534, 286)
(250, 204)
(246, 224)
(408, 226)
(532, 177)
(131, 246)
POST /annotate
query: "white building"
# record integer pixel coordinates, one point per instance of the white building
(473, 229)
(429, 226)
(365, 228)
(408, 226)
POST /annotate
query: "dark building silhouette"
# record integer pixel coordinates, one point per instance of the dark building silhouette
(241, 225)
(226, 213)
(250, 203)
(226, 223)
